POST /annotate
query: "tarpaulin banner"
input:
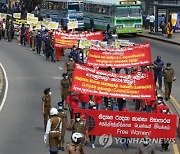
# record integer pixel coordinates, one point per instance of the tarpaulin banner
(122, 58)
(96, 82)
(129, 124)
(71, 39)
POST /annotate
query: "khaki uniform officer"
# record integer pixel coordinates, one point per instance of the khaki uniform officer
(169, 77)
(33, 34)
(79, 126)
(75, 147)
(64, 86)
(69, 67)
(46, 105)
(63, 115)
(53, 129)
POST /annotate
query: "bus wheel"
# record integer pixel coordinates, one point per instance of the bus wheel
(134, 34)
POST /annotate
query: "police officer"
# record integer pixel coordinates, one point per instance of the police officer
(38, 42)
(169, 77)
(9, 31)
(79, 126)
(46, 105)
(53, 129)
(64, 86)
(75, 147)
(158, 71)
(33, 34)
(69, 67)
(63, 115)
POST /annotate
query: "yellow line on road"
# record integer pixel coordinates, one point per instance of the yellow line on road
(175, 101)
(175, 147)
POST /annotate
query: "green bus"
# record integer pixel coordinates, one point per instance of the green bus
(121, 17)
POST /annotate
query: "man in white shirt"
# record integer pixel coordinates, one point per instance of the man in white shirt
(151, 22)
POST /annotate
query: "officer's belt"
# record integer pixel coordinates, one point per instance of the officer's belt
(54, 131)
(47, 106)
(70, 70)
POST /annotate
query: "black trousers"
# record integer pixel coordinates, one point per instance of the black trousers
(23, 39)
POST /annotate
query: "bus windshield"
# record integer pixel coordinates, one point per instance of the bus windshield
(135, 11)
(122, 11)
(74, 6)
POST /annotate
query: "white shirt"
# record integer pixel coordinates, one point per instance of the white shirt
(151, 18)
(48, 128)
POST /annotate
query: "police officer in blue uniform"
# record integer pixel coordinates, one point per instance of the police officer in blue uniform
(38, 42)
(158, 71)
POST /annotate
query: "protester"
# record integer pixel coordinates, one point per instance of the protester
(72, 102)
(121, 103)
(98, 101)
(92, 138)
(84, 99)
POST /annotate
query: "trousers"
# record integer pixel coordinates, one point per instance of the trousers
(54, 139)
(168, 86)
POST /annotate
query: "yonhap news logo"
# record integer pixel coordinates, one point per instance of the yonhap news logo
(106, 140)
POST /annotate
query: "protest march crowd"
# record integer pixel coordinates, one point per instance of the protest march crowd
(100, 77)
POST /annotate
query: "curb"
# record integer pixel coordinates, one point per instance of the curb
(159, 39)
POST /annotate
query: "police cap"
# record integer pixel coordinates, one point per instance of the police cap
(77, 115)
(64, 74)
(70, 56)
(46, 91)
(60, 104)
(168, 64)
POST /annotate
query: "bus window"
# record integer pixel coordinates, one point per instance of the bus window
(73, 6)
(135, 11)
(122, 11)
(81, 7)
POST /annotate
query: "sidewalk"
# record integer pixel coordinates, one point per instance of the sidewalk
(158, 36)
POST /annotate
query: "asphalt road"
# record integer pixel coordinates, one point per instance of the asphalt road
(21, 120)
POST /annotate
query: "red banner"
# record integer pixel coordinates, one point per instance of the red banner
(70, 39)
(138, 55)
(96, 82)
(130, 124)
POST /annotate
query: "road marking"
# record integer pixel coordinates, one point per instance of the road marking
(60, 68)
(175, 101)
(176, 150)
(6, 88)
(57, 77)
